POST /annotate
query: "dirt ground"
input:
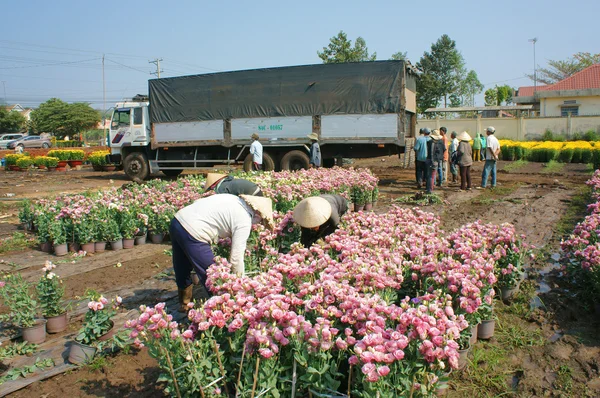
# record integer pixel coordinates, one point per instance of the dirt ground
(550, 349)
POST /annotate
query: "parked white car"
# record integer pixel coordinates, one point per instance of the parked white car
(6, 138)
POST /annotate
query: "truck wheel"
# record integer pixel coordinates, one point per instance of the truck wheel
(136, 166)
(295, 160)
(268, 163)
(172, 172)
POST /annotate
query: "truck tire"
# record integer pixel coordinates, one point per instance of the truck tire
(295, 160)
(172, 172)
(136, 166)
(268, 163)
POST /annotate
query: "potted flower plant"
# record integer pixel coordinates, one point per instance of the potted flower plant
(85, 232)
(485, 330)
(98, 159)
(129, 227)
(50, 291)
(61, 155)
(509, 271)
(51, 163)
(97, 326)
(76, 157)
(58, 235)
(11, 161)
(40, 162)
(113, 234)
(22, 308)
(24, 163)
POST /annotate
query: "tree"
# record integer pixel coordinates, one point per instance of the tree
(561, 69)
(11, 122)
(399, 56)
(340, 50)
(498, 95)
(470, 87)
(61, 119)
(443, 71)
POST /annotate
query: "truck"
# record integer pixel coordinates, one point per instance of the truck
(358, 110)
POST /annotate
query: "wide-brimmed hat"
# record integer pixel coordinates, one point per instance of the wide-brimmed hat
(312, 212)
(490, 130)
(313, 136)
(211, 178)
(435, 135)
(254, 136)
(262, 205)
(464, 136)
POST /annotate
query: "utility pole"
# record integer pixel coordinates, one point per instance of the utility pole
(534, 40)
(157, 63)
(103, 103)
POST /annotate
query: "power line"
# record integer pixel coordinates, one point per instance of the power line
(127, 66)
(59, 63)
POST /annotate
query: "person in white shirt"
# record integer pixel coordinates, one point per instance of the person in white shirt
(204, 222)
(491, 157)
(256, 150)
(453, 148)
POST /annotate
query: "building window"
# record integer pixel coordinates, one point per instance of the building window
(569, 110)
(570, 102)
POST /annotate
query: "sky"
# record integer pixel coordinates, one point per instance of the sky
(55, 48)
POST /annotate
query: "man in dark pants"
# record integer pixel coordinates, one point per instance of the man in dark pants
(220, 183)
(421, 156)
(319, 216)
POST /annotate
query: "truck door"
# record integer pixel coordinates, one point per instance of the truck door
(120, 128)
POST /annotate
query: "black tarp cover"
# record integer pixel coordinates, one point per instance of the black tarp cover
(324, 89)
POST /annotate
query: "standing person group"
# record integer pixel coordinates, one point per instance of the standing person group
(432, 155)
(430, 152)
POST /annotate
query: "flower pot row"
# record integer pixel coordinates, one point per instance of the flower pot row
(99, 247)
(364, 207)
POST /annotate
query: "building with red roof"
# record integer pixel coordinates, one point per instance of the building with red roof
(577, 95)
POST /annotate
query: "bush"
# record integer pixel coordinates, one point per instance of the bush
(39, 161)
(566, 155)
(586, 156)
(576, 155)
(11, 160)
(98, 158)
(76, 154)
(24, 162)
(508, 152)
(51, 161)
(547, 136)
(591, 135)
(62, 155)
(68, 144)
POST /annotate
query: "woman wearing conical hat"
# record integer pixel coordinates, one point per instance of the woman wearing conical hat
(319, 216)
(221, 183)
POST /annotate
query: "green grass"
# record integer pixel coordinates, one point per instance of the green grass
(553, 167)
(98, 364)
(564, 379)
(493, 195)
(17, 242)
(516, 165)
(420, 199)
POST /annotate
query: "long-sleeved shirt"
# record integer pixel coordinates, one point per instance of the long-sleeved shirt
(218, 217)
(421, 148)
(237, 187)
(256, 150)
(465, 154)
(315, 154)
(477, 142)
(339, 207)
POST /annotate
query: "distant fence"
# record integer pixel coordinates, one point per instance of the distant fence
(522, 128)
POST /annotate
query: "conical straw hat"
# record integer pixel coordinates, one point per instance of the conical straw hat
(312, 212)
(264, 206)
(464, 136)
(211, 178)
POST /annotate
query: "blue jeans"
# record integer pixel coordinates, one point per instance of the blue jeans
(488, 168)
(441, 172)
(188, 254)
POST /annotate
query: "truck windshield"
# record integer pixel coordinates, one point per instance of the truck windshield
(120, 117)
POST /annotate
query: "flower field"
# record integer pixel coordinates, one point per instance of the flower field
(545, 151)
(107, 216)
(582, 248)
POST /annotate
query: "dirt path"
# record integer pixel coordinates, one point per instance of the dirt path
(529, 198)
